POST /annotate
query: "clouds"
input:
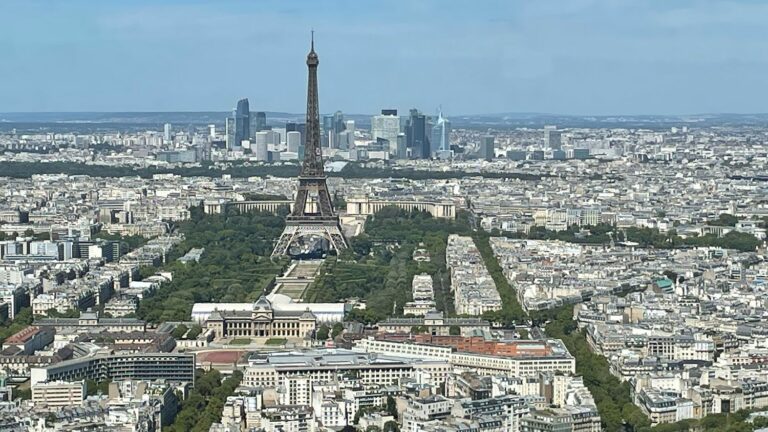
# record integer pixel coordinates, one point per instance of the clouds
(575, 56)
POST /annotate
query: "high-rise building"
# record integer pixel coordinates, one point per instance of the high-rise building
(327, 123)
(345, 140)
(349, 125)
(259, 122)
(487, 146)
(229, 131)
(402, 148)
(167, 131)
(416, 135)
(338, 122)
(293, 140)
(242, 117)
(333, 125)
(212, 130)
(267, 137)
(441, 134)
(296, 127)
(552, 137)
(387, 126)
(261, 150)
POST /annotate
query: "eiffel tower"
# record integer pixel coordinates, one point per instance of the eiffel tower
(312, 212)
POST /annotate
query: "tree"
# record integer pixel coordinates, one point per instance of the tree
(454, 330)
(322, 333)
(391, 426)
(25, 394)
(50, 419)
(93, 387)
(724, 219)
(194, 332)
(70, 313)
(338, 328)
(392, 407)
(179, 331)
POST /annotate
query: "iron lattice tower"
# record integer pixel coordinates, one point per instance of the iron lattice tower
(313, 212)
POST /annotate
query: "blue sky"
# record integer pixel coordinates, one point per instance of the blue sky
(478, 56)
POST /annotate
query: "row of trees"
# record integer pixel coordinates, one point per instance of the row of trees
(205, 402)
(207, 169)
(511, 311)
(645, 237)
(734, 422)
(613, 397)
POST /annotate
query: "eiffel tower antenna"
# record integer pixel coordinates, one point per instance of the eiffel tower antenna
(312, 212)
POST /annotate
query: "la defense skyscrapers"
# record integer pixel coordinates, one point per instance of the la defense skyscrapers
(312, 221)
(242, 122)
(238, 127)
(441, 134)
(385, 129)
(416, 135)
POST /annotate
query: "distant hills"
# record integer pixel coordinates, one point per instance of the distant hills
(153, 120)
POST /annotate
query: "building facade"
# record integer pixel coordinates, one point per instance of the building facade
(262, 321)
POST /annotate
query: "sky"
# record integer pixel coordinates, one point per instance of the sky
(584, 57)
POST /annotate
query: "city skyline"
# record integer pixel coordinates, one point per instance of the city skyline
(580, 58)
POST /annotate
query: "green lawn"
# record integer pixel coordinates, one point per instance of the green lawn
(275, 341)
(240, 341)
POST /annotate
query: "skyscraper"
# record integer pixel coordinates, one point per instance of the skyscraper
(402, 149)
(327, 123)
(333, 126)
(349, 130)
(229, 131)
(338, 122)
(259, 122)
(296, 127)
(386, 126)
(487, 146)
(167, 131)
(552, 137)
(293, 140)
(242, 116)
(416, 135)
(441, 134)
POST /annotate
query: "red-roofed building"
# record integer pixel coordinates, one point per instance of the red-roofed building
(30, 339)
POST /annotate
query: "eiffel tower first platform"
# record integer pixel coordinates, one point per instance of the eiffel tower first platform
(312, 213)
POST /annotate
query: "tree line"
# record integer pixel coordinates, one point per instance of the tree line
(207, 169)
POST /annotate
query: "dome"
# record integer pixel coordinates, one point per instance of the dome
(262, 304)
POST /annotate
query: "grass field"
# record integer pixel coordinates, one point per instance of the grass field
(240, 341)
(275, 341)
(294, 291)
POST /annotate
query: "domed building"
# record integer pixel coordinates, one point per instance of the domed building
(261, 321)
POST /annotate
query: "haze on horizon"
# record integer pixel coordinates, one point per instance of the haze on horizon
(566, 57)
